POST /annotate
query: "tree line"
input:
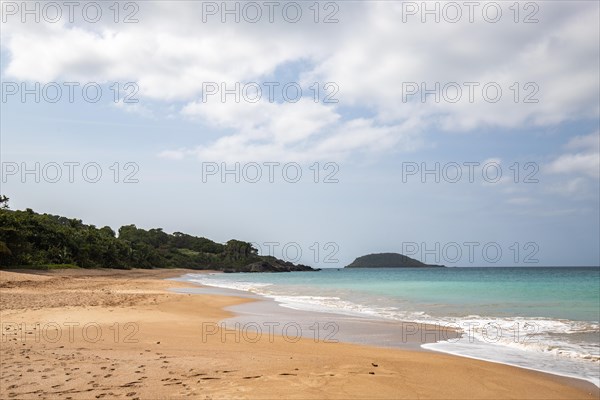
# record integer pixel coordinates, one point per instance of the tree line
(31, 239)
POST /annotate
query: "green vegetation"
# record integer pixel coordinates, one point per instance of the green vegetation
(388, 260)
(43, 241)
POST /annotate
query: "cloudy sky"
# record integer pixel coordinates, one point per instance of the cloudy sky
(462, 135)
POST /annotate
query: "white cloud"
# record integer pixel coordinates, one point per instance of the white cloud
(370, 53)
(586, 161)
(302, 131)
(589, 142)
(281, 122)
(577, 163)
(373, 67)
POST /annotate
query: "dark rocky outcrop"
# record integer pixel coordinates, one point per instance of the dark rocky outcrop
(271, 264)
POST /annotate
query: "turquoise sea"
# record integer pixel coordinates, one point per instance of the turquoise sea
(540, 318)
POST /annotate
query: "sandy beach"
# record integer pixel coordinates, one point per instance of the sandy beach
(87, 334)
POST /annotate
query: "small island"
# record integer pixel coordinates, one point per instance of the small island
(389, 260)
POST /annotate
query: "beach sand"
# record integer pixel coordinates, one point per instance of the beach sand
(87, 334)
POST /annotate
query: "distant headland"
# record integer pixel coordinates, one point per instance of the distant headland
(42, 241)
(388, 260)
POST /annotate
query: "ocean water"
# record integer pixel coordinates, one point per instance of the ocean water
(545, 319)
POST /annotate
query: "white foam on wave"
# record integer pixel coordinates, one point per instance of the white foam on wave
(202, 279)
(336, 305)
(515, 357)
(532, 334)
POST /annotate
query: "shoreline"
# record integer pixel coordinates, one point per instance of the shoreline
(174, 357)
(431, 331)
(263, 311)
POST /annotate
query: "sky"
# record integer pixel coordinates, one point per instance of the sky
(464, 134)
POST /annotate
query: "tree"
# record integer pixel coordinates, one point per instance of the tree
(3, 201)
(238, 250)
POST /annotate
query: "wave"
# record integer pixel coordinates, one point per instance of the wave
(243, 286)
